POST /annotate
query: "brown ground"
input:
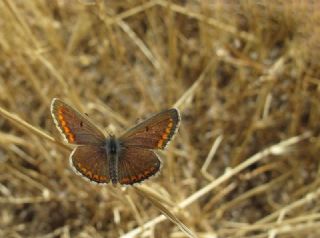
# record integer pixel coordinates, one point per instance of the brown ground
(245, 76)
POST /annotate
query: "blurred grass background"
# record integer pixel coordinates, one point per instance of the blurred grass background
(245, 76)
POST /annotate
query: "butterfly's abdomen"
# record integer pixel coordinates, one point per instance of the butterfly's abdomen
(112, 148)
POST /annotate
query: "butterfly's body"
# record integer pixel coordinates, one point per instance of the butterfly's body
(128, 159)
(113, 148)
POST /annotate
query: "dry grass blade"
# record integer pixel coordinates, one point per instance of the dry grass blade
(169, 214)
(18, 15)
(251, 193)
(209, 21)
(28, 127)
(191, 91)
(11, 139)
(277, 149)
(68, 90)
(152, 193)
(24, 200)
(109, 112)
(131, 12)
(209, 158)
(286, 209)
(133, 36)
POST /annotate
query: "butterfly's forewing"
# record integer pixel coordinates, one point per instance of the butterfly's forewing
(75, 128)
(91, 162)
(153, 133)
(136, 165)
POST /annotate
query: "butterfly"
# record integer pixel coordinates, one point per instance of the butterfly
(126, 160)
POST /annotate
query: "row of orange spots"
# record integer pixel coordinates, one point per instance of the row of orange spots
(90, 175)
(132, 179)
(165, 134)
(64, 126)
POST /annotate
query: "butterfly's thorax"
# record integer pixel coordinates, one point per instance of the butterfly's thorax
(112, 148)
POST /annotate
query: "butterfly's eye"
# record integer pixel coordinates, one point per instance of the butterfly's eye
(81, 124)
(147, 128)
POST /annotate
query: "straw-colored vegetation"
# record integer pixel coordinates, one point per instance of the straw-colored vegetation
(245, 76)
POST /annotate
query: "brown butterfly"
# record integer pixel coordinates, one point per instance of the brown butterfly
(128, 159)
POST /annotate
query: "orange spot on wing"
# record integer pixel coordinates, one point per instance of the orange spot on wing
(71, 137)
(165, 136)
(160, 143)
(60, 113)
(63, 123)
(169, 127)
(89, 174)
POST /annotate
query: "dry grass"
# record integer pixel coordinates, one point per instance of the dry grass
(245, 76)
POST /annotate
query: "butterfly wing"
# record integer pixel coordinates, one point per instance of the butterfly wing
(75, 128)
(136, 165)
(91, 162)
(155, 132)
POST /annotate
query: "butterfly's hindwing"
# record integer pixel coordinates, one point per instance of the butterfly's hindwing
(136, 165)
(91, 162)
